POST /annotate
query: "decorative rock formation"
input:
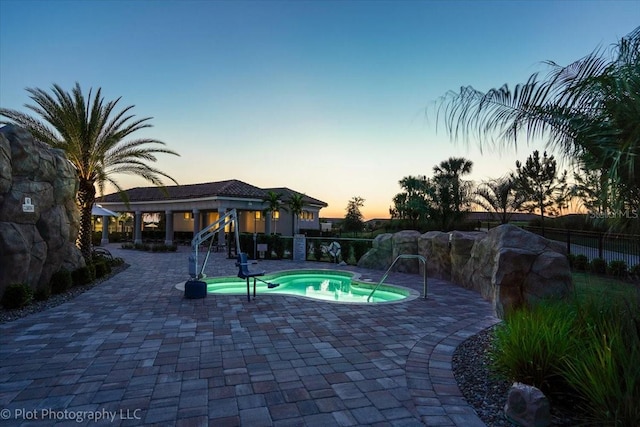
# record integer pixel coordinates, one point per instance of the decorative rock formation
(405, 243)
(509, 266)
(513, 268)
(39, 219)
(434, 246)
(527, 406)
(380, 256)
(462, 243)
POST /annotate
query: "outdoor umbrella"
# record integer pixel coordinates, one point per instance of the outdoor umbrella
(98, 210)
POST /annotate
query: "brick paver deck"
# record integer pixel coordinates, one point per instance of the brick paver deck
(133, 351)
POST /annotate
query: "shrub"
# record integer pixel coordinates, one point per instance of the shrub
(141, 246)
(101, 269)
(60, 281)
(581, 262)
(83, 275)
(617, 269)
(43, 293)
(351, 259)
(531, 343)
(16, 296)
(128, 245)
(572, 261)
(598, 266)
(635, 272)
(606, 371)
(116, 262)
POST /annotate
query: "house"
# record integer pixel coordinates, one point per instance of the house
(190, 208)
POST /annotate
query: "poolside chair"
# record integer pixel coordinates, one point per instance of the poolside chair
(244, 273)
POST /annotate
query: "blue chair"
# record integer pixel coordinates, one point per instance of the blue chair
(244, 273)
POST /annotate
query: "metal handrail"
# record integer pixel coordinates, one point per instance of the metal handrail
(403, 256)
(231, 217)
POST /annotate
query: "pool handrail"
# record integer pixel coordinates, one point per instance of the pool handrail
(404, 256)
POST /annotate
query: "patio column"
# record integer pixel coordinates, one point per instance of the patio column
(137, 229)
(267, 223)
(168, 235)
(105, 230)
(196, 222)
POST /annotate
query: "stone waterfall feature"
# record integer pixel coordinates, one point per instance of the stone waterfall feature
(39, 218)
(509, 266)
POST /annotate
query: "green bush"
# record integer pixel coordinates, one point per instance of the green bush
(83, 275)
(572, 261)
(581, 263)
(128, 245)
(116, 262)
(101, 269)
(60, 281)
(588, 348)
(531, 343)
(351, 259)
(43, 293)
(598, 266)
(617, 269)
(16, 296)
(605, 372)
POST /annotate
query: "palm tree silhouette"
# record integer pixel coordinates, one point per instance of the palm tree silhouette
(93, 135)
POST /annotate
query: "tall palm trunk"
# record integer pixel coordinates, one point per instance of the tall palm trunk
(86, 198)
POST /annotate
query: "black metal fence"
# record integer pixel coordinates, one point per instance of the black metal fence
(593, 244)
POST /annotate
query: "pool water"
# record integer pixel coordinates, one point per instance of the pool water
(321, 285)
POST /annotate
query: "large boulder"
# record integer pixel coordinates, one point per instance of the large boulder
(513, 268)
(462, 243)
(405, 243)
(37, 238)
(380, 256)
(434, 246)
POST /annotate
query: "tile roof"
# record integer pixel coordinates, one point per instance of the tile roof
(287, 193)
(228, 188)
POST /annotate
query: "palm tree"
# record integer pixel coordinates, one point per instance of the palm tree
(588, 110)
(295, 204)
(447, 176)
(93, 135)
(414, 203)
(499, 196)
(274, 204)
(452, 170)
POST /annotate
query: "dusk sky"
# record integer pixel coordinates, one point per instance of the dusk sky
(325, 97)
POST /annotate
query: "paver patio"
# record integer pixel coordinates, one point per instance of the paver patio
(134, 351)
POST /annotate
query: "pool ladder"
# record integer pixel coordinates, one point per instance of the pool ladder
(404, 256)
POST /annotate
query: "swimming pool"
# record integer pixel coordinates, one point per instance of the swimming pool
(325, 285)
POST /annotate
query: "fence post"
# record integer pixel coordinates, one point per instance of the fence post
(601, 245)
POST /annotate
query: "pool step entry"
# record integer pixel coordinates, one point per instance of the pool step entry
(404, 256)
